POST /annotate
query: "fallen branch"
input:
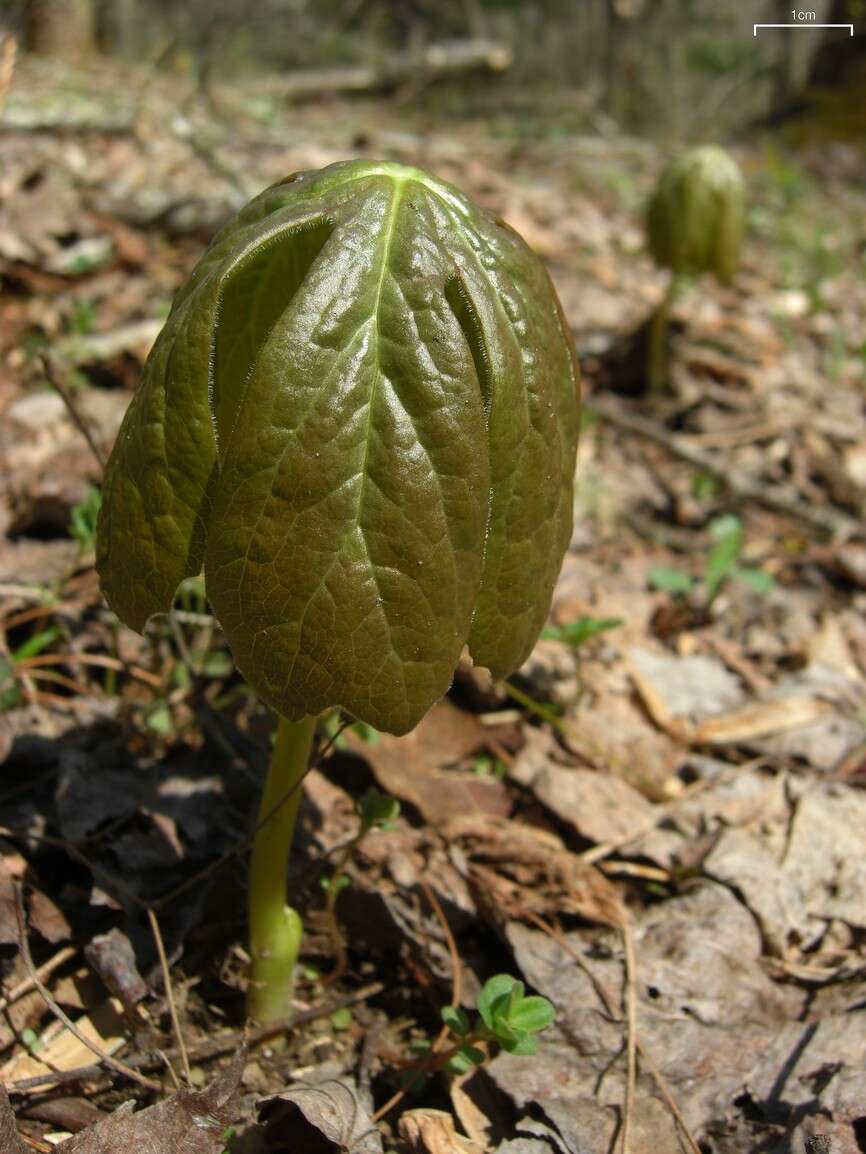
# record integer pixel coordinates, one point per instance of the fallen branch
(435, 62)
(838, 525)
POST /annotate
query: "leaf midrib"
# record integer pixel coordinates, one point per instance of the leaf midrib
(390, 229)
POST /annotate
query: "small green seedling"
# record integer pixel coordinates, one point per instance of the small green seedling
(16, 665)
(83, 519)
(375, 811)
(360, 421)
(722, 566)
(507, 1018)
(695, 222)
(577, 633)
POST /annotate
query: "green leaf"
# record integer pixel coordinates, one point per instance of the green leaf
(493, 996)
(37, 643)
(727, 534)
(670, 580)
(760, 581)
(341, 1019)
(578, 632)
(377, 809)
(361, 418)
(84, 517)
(525, 1045)
(456, 1019)
(533, 1014)
(465, 1059)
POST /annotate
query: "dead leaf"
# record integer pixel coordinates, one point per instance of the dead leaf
(825, 853)
(741, 861)
(599, 806)
(517, 870)
(186, 1123)
(410, 767)
(329, 1112)
(764, 719)
(9, 932)
(433, 1132)
(9, 1141)
(683, 689)
(48, 919)
(61, 1050)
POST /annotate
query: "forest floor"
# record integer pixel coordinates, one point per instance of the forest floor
(658, 825)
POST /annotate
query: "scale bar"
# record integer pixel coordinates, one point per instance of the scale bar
(802, 24)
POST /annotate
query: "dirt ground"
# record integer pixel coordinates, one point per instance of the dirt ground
(658, 824)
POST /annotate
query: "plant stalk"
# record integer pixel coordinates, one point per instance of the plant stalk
(275, 928)
(657, 351)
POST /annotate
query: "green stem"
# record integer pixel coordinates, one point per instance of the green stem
(275, 928)
(657, 351)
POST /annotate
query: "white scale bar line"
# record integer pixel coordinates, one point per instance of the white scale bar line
(802, 24)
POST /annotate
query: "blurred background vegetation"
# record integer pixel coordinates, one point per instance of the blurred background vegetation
(677, 69)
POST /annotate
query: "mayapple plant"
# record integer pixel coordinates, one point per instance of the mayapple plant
(360, 421)
(695, 222)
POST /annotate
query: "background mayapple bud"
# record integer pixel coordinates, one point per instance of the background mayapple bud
(696, 216)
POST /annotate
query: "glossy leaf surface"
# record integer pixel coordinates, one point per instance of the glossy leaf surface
(361, 419)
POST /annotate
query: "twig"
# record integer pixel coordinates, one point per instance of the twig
(662, 812)
(770, 496)
(97, 660)
(225, 1043)
(669, 1100)
(212, 1048)
(35, 1144)
(169, 994)
(338, 941)
(50, 370)
(456, 993)
(563, 942)
(631, 1033)
(59, 1078)
(453, 953)
(44, 971)
(62, 1016)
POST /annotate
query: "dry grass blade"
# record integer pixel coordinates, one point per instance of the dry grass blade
(170, 998)
(456, 991)
(44, 971)
(49, 367)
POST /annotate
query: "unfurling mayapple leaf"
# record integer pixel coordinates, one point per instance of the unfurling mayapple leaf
(360, 419)
(696, 215)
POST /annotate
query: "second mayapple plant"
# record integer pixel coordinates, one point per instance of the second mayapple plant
(360, 420)
(695, 222)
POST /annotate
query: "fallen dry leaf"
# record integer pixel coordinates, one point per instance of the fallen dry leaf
(328, 1116)
(517, 871)
(433, 1132)
(9, 1141)
(764, 719)
(188, 1122)
(410, 767)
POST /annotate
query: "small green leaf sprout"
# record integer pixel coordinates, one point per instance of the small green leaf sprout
(695, 223)
(507, 1017)
(722, 566)
(83, 519)
(578, 633)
